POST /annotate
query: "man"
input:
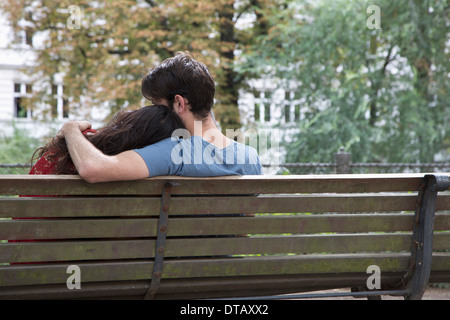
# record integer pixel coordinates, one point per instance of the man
(186, 86)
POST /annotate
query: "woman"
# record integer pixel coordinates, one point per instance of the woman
(126, 131)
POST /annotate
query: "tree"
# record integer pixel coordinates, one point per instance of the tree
(104, 49)
(233, 39)
(381, 93)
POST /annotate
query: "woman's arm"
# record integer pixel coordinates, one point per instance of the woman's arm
(93, 165)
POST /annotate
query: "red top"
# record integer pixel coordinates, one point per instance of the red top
(45, 166)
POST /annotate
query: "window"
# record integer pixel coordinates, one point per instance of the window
(257, 112)
(59, 104)
(292, 105)
(65, 108)
(20, 110)
(297, 113)
(54, 101)
(28, 36)
(22, 92)
(287, 113)
(297, 108)
(262, 106)
(287, 106)
(267, 111)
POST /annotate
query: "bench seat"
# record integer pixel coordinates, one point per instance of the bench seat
(222, 237)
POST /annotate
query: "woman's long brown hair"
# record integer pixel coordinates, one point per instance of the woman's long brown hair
(126, 131)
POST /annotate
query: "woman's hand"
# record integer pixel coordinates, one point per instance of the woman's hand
(73, 125)
(92, 164)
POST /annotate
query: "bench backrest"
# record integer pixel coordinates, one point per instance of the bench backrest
(225, 236)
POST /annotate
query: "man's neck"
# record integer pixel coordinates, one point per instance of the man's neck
(208, 130)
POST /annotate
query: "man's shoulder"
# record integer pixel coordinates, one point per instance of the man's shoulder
(249, 150)
(164, 143)
(194, 156)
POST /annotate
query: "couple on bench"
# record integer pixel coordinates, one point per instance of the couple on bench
(156, 140)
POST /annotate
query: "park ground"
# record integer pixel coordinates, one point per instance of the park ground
(432, 293)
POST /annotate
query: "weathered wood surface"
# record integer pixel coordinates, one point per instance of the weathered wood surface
(200, 247)
(228, 229)
(219, 267)
(74, 185)
(93, 228)
(185, 288)
(129, 206)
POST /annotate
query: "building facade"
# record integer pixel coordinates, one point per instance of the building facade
(263, 108)
(17, 85)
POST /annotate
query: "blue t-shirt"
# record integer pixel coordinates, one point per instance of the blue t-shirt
(195, 157)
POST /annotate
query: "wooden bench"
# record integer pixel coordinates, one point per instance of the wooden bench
(226, 237)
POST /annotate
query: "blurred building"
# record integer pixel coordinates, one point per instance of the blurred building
(262, 108)
(17, 83)
(16, 87)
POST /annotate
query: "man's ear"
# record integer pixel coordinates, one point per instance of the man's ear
(180, 104)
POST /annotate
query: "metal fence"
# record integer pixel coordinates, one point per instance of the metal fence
(331, 168)
(14, 168)
(342, 164)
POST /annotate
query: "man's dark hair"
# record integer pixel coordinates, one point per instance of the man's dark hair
(185, 76)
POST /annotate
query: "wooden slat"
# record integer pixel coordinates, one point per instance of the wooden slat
(206, 288)
(79, 207)
(212, 287)
(443, 201)
(441, 241)
(74, 185)
(56, 273)
(442, 221)
(289, 265)
(292, 224)
(27, 229)
(141, 249)
(63, 185)
(36, 229)
(141, 270)
(130, 206)
(294, 204)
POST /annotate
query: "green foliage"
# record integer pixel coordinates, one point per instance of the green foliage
(117, 42)
(382, 94)
(17, 149)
